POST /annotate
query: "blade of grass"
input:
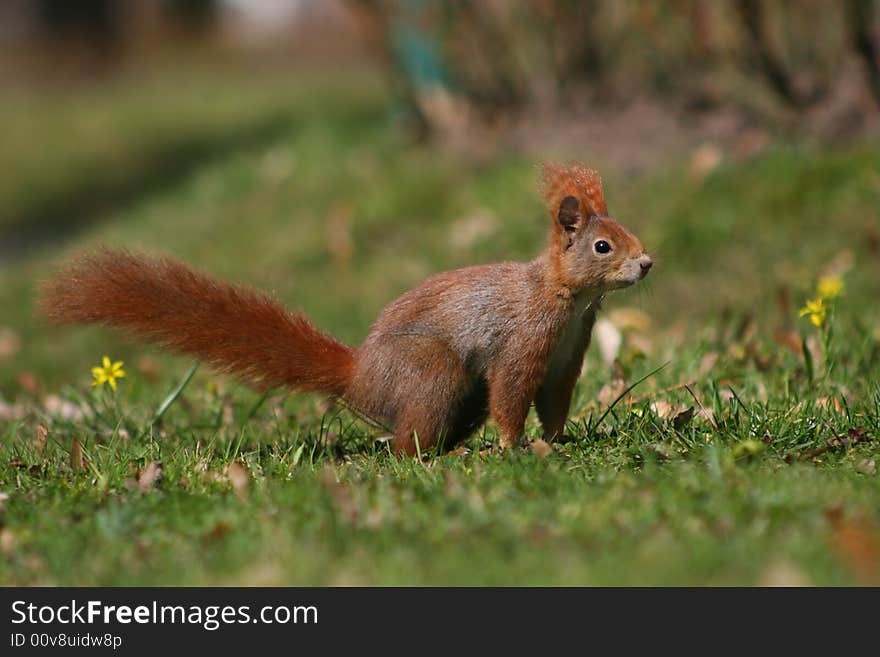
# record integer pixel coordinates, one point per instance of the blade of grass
(418, 447)
(173, 395)
(808, 360)
(256, 407)
(623, 394)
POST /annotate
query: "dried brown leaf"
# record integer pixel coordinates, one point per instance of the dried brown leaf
(707, 363)
(541, 448)
(40, 438)
(704, 160)
(837, 443)
(831, 403)
(639, 344)
(872, 240)
(452, 485)
(630, 319)
(610, 392)
(29, 383)
(736, 351)
(706, 414)
(751, 142)
(783, 300)
(783, 574)
(329, 439)
(150, 476)
(228, 416)
(10, 343)
(62, 408)
(725, 394)
(746, 329)
(11, 411)
(472, 228)
(790, 340)
(339, 241)
(609, 339)
(840, 264)
(219, 530)
(683, 418)
(149, 368)
(76, 456)
(856, 543)
(239, 477)
(7, 542)
(342, 496)
(815, 349)
(661, 408)
(866, 466)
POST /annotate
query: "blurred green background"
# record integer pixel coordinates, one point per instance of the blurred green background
(365, 145)
(337, 153)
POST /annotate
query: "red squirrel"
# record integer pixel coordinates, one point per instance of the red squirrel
(438, 360)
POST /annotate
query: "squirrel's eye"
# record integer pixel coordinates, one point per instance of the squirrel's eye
(602, 247)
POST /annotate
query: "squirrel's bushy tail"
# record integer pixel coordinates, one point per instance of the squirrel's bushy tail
(235, 330)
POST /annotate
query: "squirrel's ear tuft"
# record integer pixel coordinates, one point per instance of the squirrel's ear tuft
(559, 181)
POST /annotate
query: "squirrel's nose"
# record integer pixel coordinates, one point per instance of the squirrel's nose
(645, 263)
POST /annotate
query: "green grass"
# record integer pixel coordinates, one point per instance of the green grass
(742, 498)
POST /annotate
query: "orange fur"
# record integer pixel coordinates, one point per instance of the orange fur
(584, 183)
(463, 344)
(233, 329)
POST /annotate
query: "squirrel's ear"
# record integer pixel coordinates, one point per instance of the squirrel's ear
(571, 218)
(569, 214)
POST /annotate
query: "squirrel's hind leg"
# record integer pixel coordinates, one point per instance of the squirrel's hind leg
(415, 426)
(433, 404)
(464, 414)
(422, 423)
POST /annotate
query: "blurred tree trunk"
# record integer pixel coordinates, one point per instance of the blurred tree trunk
(380, 18)
(95, 22)
(504, 84)
(753, 16)
(455, 61)
(193, 15)
(703, 31)
(861, 16)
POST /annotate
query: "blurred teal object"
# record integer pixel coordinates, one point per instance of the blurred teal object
(418, 53)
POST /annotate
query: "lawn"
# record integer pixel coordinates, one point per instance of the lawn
(748, 457)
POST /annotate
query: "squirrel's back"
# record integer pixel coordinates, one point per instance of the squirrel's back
(472, 310)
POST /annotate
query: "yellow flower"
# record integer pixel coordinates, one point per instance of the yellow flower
(830, 287)
(108, 372)
(816, 310)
